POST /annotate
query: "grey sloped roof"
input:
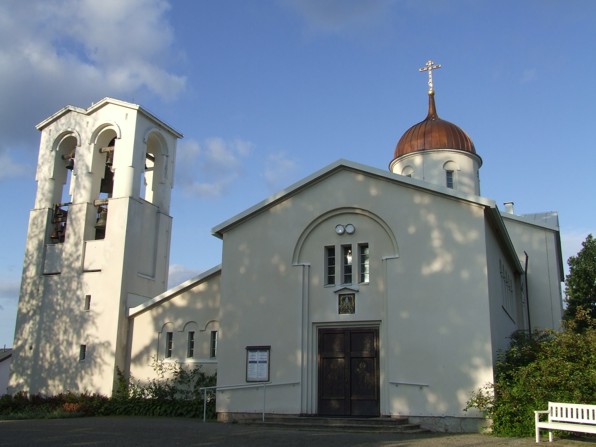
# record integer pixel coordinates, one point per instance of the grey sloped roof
(5, 354)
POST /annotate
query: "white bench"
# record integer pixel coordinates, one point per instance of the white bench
(566, 417)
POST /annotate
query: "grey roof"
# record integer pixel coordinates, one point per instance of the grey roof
(5, 354)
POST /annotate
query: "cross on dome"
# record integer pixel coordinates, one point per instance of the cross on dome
(430, 66)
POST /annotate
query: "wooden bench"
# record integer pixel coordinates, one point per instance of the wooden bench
(566, 417)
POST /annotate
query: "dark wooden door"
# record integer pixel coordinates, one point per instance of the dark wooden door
(349, 372)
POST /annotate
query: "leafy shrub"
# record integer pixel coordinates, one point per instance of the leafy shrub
(549, 366)
(24, 406)
(174, 392)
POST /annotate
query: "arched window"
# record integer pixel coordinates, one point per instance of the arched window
(450, 174)
(407, 171)
(167, 342)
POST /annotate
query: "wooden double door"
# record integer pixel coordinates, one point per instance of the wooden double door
(348, 371)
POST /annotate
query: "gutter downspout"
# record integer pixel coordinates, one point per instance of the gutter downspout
(527, 294)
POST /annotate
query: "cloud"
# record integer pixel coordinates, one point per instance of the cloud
(9, 168)
(528, 75)
(335, 16)
(209, 169)
(76, 52)
(177, 274)
(280, 171)
(9, 290)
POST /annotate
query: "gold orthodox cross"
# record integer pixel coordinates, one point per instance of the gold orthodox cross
(430, 66)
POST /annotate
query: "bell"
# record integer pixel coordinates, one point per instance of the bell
(57, 235)
(60, 215)
(102, 219)
(107, 182)
(69, 160)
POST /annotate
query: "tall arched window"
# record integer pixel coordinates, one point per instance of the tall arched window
(450, 174)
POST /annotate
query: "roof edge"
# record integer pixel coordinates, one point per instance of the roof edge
(173, 292)
(98, 105)
(319, 175)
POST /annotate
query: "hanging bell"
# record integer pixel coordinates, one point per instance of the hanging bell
(107, 182)
(60, 214)
(102, 218)
(57, 234)
(69, 160)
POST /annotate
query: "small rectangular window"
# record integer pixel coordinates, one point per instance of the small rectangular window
(346, 264)
(87, 302)
(169, 344)
(82, 352)
(449, 179)
(213, 345)
(329, 265)
(190, 348)
(364, 263)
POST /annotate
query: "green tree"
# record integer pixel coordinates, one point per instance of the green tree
(580, 284)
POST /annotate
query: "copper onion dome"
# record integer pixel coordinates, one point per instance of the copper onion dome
(433, 133)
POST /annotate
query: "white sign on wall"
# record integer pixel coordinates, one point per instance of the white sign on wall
(257, 363)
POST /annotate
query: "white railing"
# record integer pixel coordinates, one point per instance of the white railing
(262, 385)
(420, 385)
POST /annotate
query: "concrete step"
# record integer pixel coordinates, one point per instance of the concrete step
(366, 425)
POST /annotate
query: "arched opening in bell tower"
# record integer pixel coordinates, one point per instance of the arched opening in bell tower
(155, 170)
(64, 164)
(102, 188)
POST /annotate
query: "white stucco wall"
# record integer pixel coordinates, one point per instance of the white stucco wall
(428, 294)
(430, 166)
(192, 306)
(538, 236)
(507, 302)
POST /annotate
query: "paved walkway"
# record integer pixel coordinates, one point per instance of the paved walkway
(132, 431)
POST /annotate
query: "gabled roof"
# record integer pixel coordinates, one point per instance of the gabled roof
(331, 169)
(173, 292)
(492, 212)
(98, 105)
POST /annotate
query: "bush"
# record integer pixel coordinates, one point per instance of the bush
(175, 392)
(23, 406)
(549, 366)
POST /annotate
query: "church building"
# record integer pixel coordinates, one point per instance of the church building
(357, 291)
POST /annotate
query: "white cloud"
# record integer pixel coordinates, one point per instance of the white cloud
(9, 290)
(10, 168)
(177, 274)
(334, 16)
(280, 171)
(211, 168)
(76, 52)
(528, 75)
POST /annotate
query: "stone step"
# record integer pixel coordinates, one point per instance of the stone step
(367, 425)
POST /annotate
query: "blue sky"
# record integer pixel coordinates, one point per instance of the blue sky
(268, 91)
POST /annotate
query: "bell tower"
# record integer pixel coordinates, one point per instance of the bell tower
(98, 243)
